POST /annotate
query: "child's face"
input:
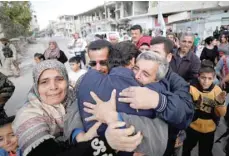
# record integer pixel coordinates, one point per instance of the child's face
(8, 141)
(37, 60)
(75, 66)
(206, 79)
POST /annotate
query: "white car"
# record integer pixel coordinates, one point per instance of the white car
(105, 34)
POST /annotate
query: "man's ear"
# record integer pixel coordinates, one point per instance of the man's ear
(132, 62)
(169, 57)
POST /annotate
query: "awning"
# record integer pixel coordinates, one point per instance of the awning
(179, 17)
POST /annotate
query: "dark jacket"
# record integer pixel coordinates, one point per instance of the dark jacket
(6, 87)
(209, 54)
(119, 78)
(51, 147)
(180, 109)
(187, 67)
(63, 58)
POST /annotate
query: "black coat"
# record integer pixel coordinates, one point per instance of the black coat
(6, 91)
(63, 58)
(51, 148)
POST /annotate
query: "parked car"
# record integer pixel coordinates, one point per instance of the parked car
(105, 35)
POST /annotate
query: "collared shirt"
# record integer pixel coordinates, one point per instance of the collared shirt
(187, 66)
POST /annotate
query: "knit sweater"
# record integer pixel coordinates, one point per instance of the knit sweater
(207, 111)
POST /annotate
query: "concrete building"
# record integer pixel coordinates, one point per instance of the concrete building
(65, 25)
(34, 26)
(201, 16)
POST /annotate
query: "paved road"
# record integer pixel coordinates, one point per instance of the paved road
(24, 83)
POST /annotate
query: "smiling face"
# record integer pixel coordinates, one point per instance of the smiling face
(52, 45)
(186, 44)
(52, 87)
(8, 141)
(98, 59)
(145, 71)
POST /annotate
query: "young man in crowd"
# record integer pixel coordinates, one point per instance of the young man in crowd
(136, 33)
(174, 40)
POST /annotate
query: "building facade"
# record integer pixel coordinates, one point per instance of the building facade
(201, 16)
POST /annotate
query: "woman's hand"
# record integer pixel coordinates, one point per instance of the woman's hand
(104, 112)
(91, 133)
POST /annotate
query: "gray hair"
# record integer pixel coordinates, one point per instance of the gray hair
(162, 62)
(187, 34)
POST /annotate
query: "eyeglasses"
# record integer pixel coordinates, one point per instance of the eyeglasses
(101, 62)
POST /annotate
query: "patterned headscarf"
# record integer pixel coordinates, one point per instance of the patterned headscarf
(52, 54)
(36, 121)
(44, 65)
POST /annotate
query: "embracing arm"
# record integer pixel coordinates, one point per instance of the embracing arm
(154, 131)
(96, 145)
(180, 110)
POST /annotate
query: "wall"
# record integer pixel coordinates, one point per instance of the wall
(178, 6)
(205, 26)
(147, 22)
(140, 7)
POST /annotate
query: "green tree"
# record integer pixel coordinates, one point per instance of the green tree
(15, 17)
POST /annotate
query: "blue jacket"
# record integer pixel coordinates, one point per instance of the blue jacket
(119, 78)
(180, 109)
(5, 153)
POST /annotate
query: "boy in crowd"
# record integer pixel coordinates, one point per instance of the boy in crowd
(38, 57)
(76, 70)
(8, 141)
(209, 107)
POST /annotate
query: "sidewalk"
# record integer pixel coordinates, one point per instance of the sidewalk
(25, 81)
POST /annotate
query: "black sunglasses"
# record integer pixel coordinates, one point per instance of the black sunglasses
(102, 63)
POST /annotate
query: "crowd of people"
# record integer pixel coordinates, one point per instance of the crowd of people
(147, 96)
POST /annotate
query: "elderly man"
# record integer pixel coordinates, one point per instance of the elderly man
(184, 61)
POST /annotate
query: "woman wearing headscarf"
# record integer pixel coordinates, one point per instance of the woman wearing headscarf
(54, 52)
(39, 124)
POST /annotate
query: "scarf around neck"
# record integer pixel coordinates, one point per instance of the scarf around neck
(36, 121)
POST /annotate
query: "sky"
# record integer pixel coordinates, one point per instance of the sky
(50, 9)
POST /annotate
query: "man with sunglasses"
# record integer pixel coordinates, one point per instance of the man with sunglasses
(98, 52)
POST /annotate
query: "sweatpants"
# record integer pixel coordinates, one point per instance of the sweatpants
(205, 140)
